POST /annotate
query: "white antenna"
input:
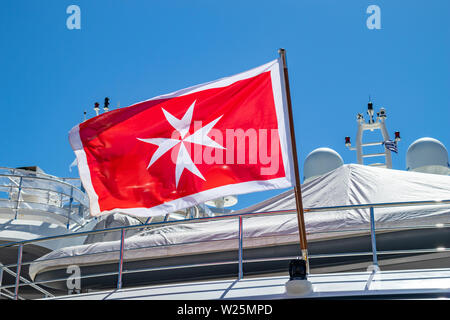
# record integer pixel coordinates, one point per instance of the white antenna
(106, 105)
(96, 108)
(378, 124)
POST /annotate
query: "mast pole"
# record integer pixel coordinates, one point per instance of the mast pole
(297, 188)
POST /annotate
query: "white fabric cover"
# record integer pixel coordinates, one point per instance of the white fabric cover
(347, 185)
(112, 220)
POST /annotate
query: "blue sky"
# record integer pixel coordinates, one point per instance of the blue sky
(133, 50)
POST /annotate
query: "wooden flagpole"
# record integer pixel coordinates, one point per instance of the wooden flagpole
(297, 188)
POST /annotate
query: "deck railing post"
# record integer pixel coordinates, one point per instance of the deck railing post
(1, 275)
(19, 191)
(70, 207)
(373, 238)
(119, 276)
(241, 237)
(19, 267)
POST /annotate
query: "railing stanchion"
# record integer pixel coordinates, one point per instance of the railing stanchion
(1, 276)
(70, 208)
(241, 237)
(373, 238)
(119, 276)
(19, 191)
(19, 267)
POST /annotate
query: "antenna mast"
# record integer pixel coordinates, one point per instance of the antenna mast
(372, 124)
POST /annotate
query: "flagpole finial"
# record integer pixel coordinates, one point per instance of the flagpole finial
(282, 53)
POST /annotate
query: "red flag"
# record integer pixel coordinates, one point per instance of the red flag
(225, 137)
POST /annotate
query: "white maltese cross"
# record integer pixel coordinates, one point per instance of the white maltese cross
(184, 160)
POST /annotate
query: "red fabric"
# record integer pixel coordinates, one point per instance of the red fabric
(118, 161)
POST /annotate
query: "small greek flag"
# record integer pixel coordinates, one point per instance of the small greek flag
(391, 145)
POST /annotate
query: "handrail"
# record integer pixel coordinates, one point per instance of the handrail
(37, 203)
(240, 217)
(227, 262)
(229, 216)
(54, 195)
(176, 244)
(9, 294)
(54, 180)
(56, 192)
(26, 281)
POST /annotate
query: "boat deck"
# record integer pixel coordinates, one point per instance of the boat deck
(405, 284)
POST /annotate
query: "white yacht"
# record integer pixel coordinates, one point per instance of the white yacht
(372, 232)
(36, 207)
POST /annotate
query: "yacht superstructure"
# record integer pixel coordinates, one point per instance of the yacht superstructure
(359, 218)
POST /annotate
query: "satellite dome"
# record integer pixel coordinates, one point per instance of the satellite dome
(427, 155)
(321, 161)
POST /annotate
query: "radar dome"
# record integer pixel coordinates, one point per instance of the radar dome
(427, 155)
(321, 161)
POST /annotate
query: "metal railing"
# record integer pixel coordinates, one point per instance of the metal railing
(240, 236)
(30, 193)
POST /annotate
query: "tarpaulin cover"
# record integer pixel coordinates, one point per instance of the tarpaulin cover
(347, 185)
